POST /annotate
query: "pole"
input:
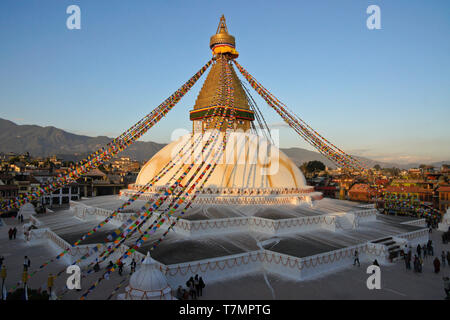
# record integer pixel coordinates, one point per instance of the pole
(50, 284)
(3, 275)
(24, 280)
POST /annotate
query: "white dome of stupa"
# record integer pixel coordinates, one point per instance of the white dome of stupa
(148, 283)
(250, 162)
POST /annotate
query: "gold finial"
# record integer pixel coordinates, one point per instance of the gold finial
(222, 37)
(222, 27)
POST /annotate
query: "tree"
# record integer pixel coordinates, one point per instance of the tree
(312, 166)
(377, 167)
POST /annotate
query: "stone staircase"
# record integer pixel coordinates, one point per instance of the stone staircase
(394, 248)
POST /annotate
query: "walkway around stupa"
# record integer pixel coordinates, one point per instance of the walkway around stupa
(346, 283)
(221, 248)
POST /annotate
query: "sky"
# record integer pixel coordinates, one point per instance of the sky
(382, 94)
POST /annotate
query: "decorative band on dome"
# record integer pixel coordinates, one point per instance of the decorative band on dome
(224, 48)
(238, 113)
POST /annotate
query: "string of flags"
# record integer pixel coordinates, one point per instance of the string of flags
(94, 159)
(179, 200)
(106, 153)
(311, 136)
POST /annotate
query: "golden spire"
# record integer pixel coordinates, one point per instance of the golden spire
(214, 93)
(222, 41)
(222, 28)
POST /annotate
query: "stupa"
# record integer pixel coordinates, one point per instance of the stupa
(255, 213)
(252, 170)
(147, 283)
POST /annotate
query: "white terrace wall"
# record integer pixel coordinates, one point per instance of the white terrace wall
(320, 264)
(220, 268)
(214, 269)
(417, 223)
(194, 228)
(268, 226)
(59, 244)
(416, 237)
(93, 213)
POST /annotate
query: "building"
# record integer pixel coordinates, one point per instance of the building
(361, 192)
(97, 183)
(26, 183)
(62, 196)
(424, 195)
(444, 198)
(8, 191)
(125, 164)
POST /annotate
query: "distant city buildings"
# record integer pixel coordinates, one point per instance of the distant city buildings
(21, 174)
(429, 185)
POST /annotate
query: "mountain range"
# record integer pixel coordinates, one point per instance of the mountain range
(46, 141)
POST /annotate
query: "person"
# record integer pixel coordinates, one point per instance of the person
(405, 250)
(419, 249)
(26, 263)
(179, 294)
(431, 249)
(201, 285)
(443, 257)
(110, 265)
(50, 283)
(96, 267)
(1, 261)
(407, 262)
(120, 264)
(14, 232)
(192, 291)
(448, 258)
(189, 281)
(185, 294)
(416, 263)
(420, 264)
(424, 249)
(133, 266)
(10, 233)
(437, 265)
(196, 285)
(356, 258)
(21, 218)
(447, 287)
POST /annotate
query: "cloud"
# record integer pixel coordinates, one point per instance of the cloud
(278, 125)
(401, 158)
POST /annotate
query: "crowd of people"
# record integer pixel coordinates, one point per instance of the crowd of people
(12, 233)
(446, 237)
(120, 266)
(422, 253)
(193, 290)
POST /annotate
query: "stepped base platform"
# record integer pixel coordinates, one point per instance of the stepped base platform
(299, 242)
